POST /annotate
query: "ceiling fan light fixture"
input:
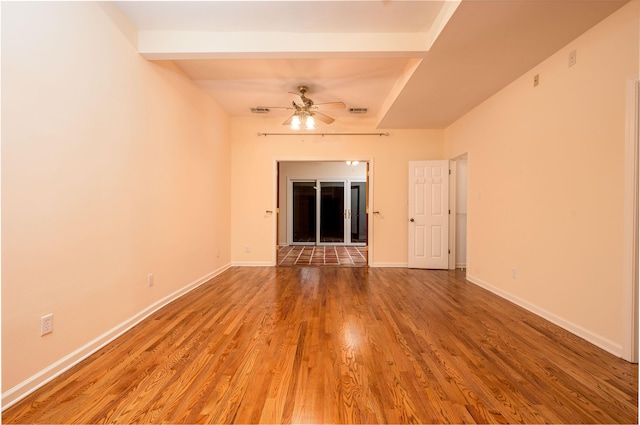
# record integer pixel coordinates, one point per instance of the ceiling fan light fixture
(295, 123)
(310, 123)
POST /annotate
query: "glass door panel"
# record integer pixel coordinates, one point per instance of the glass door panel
(332, 212)
(358, 212)
(304, 212)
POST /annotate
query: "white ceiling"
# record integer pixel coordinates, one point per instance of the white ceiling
(413, 64)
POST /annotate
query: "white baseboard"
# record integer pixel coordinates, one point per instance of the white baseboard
(402, 265)
(252, 264)
(17, 393)
(595, 339)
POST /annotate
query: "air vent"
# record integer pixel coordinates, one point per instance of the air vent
(358, 110)
(259, 110)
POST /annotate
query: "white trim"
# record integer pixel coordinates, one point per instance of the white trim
(453, 210)
(381, 265)
(274, 217)
(599, 341)
(370, 214)
(630, 223)
(26, 387)
(252, 264)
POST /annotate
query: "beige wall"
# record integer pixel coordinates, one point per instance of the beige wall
(112, 168)
(546, 183)
(254, 184)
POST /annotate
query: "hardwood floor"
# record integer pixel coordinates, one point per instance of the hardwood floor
(340, 345)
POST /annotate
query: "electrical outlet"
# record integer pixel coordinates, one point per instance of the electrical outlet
(46, 324)
(572, 58)
(218, 253)
(514, 273)
(150, 280)
(247, 249)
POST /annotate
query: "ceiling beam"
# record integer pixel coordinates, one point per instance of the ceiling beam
(163, 45)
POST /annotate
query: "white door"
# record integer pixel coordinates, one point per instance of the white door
(429, 214)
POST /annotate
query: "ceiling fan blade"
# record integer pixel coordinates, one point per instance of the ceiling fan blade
(324, 118)
(288, 120)
(331, 105)
(298, 98)
(275, 107)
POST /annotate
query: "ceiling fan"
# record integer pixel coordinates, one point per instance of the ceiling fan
(305, 111)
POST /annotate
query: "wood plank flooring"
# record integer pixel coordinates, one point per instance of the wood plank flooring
(340, 345)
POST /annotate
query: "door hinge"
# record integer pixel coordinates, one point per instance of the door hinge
(449, 172)
(449, 251)
(449, 212)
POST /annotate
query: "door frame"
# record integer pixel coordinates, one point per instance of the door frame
(453, 208)
(369, 210)
(630, 223)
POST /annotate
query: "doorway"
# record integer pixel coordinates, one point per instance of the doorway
(458, 212)
(322, 212)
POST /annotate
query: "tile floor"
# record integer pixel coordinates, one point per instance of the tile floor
(323, 256)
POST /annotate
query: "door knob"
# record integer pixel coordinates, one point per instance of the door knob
(411, 220)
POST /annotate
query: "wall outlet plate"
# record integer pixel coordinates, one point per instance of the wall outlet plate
(46, 324)
(572, 57)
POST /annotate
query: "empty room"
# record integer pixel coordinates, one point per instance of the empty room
(319, 211)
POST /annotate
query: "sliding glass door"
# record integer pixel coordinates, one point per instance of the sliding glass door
(304, 213)
(327, 212)
(358, 212)
(332, 212)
